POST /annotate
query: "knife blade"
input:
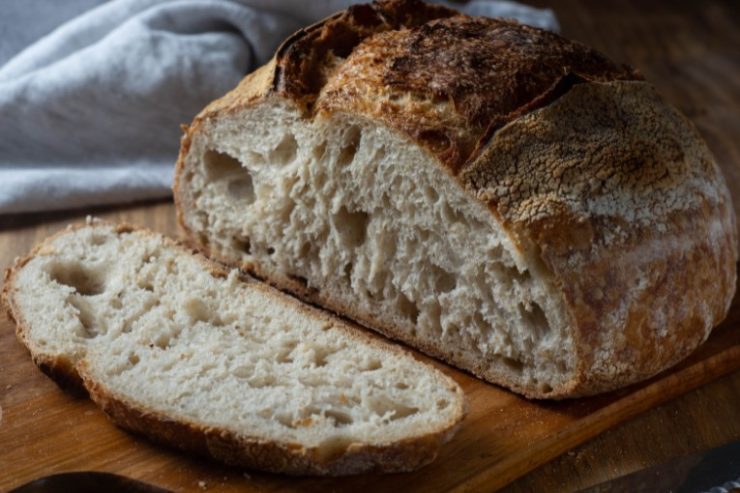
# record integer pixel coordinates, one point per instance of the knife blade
(713, 471)
(87, 482)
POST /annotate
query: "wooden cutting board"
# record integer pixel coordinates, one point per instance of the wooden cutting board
(43, 430)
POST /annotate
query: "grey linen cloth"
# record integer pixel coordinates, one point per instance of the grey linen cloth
(90, 113)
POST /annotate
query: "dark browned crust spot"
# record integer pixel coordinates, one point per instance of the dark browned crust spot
(487, 71)
(306, 60)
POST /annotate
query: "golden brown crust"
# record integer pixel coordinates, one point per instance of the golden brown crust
(594, 177)
(452, 82)
(307, 60)
(444, 79)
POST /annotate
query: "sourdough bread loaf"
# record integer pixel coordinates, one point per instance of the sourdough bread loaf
(497, 196)
(179, 350)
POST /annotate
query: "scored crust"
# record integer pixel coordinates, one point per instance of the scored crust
(606, 188)
(222, 444)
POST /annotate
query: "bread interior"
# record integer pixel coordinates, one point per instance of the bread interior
(156, 329)
(364, 218)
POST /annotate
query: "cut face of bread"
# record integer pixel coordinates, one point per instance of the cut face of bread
(357, 213)
(495, 195)
(174, 348)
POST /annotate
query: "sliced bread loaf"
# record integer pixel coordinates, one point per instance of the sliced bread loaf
(500, 197)
(175, 348)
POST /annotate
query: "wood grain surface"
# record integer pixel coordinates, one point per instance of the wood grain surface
(690, 51)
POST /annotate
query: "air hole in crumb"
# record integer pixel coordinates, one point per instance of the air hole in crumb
(480, 323)
(442, 404)
(305, 250)
(150, 259)
(431, 194)
(286, 150)
(348, 271)
(285, 420)
(349, 149)
(340, 418)
(546, 388)
(284, 354)
(408, 308)
(133, 359)
(86, 318)
(261, 381)
(85, 281)
(242, 371)
(402, 386)
(243, 244)
(372, 365)
(242, 189)
(452, 329)
(444, 282)
(98, 239)
(255, 157)
(162, 341)
(452, 215)
(270, 251)
(509, 275)
(534, 317)
(145, 284)
(402, 411)
(512, 364)
(313, 380)
(392, 410)
(319, 179)
(351, 226)
(197, 310)
(434, 317)
(321, 356)
(319, 150)
(219, 165)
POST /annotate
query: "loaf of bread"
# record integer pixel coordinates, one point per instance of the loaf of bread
(499, 197)
(175, 348)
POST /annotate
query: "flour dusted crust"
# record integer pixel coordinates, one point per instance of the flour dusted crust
(633, 219)
(606, 188)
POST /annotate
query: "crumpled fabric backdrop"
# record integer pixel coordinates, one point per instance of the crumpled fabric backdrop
(90, 112)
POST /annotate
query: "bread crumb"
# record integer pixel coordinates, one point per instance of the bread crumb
(247, 476)
(203, 485)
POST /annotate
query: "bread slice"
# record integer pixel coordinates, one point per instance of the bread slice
(495, 195)
(175, 348)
